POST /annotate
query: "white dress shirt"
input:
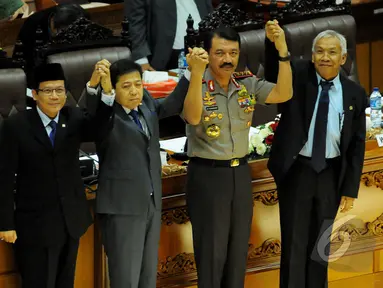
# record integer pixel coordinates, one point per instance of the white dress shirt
(334, 124)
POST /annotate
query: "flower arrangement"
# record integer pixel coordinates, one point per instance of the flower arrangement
(261, 139)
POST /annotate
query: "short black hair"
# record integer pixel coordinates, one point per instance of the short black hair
(66, 14)
(122, 67)
(221, 32)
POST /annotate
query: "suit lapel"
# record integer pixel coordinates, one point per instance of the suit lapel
(39, 130)
(122, 113)
(311, 98)
(349, 110)
(147, 116)
(61, 130)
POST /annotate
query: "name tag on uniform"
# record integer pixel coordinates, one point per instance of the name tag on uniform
(211, 108)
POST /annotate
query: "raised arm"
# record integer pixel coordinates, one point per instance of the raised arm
(283, 90)
(99, 104)
(197, 60)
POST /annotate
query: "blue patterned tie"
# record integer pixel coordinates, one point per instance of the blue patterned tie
(134, 114)
(318, 158)
(52, 135)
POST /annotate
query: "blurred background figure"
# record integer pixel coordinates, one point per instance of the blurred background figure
(50, 21)
(11, 9)
(158, 27)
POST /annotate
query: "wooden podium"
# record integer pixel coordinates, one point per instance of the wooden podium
(361, 265)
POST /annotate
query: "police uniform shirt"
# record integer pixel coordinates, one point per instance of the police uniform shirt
(223, 132)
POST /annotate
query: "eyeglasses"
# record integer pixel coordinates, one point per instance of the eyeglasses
(49, 91)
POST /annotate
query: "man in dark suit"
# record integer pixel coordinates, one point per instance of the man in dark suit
(317, 156)
(48, 212)
(157, 29)
(129, 197)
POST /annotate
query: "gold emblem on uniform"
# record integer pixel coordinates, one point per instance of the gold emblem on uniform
(249, 109)
(243, 92)
(244, 98)
(213, 131)
(220, 116)
(210, 103)
(248, 124)
(213, 115)
(208, 97)
(206, 118)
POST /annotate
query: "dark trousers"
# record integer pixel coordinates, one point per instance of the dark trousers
(131, 244)
(47, 267)
(220, 206)
(308, 204)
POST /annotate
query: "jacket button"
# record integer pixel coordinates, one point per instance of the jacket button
(294, 157)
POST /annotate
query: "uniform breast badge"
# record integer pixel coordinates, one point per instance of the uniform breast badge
(209, 100)
(249, 109)
(213, 115)
(220, 116)
(213, 131)
(208, 97)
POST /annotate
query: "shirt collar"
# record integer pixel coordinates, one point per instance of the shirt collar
(215, 88)
(127, 110)
(335, 81)
(45, 119)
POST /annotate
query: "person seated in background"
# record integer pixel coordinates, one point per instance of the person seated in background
(50, 21)
(158, 27)
(11, 9)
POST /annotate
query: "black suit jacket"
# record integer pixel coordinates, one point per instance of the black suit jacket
(49, 198)
(153, 25)
(292, 132)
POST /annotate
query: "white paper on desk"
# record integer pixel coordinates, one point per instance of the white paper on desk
(155, 76)
(175, 145)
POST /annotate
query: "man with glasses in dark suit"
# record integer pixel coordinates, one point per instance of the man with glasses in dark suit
(48, 212)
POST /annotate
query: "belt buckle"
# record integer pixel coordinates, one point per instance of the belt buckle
(234, 162)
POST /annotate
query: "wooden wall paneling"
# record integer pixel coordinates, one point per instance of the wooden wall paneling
(10, 281)
(85, 266)
(377, 64)
(7, 263)
(378, 261)
(268, 279)
(365, 281)
(363, 61)
(351, 266)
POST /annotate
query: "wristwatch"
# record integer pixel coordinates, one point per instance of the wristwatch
(283, 59)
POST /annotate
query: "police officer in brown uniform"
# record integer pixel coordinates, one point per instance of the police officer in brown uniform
(219, 192)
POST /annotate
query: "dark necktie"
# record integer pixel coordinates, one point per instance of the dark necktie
(134, 114)
(52, 135)
(318, 157)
